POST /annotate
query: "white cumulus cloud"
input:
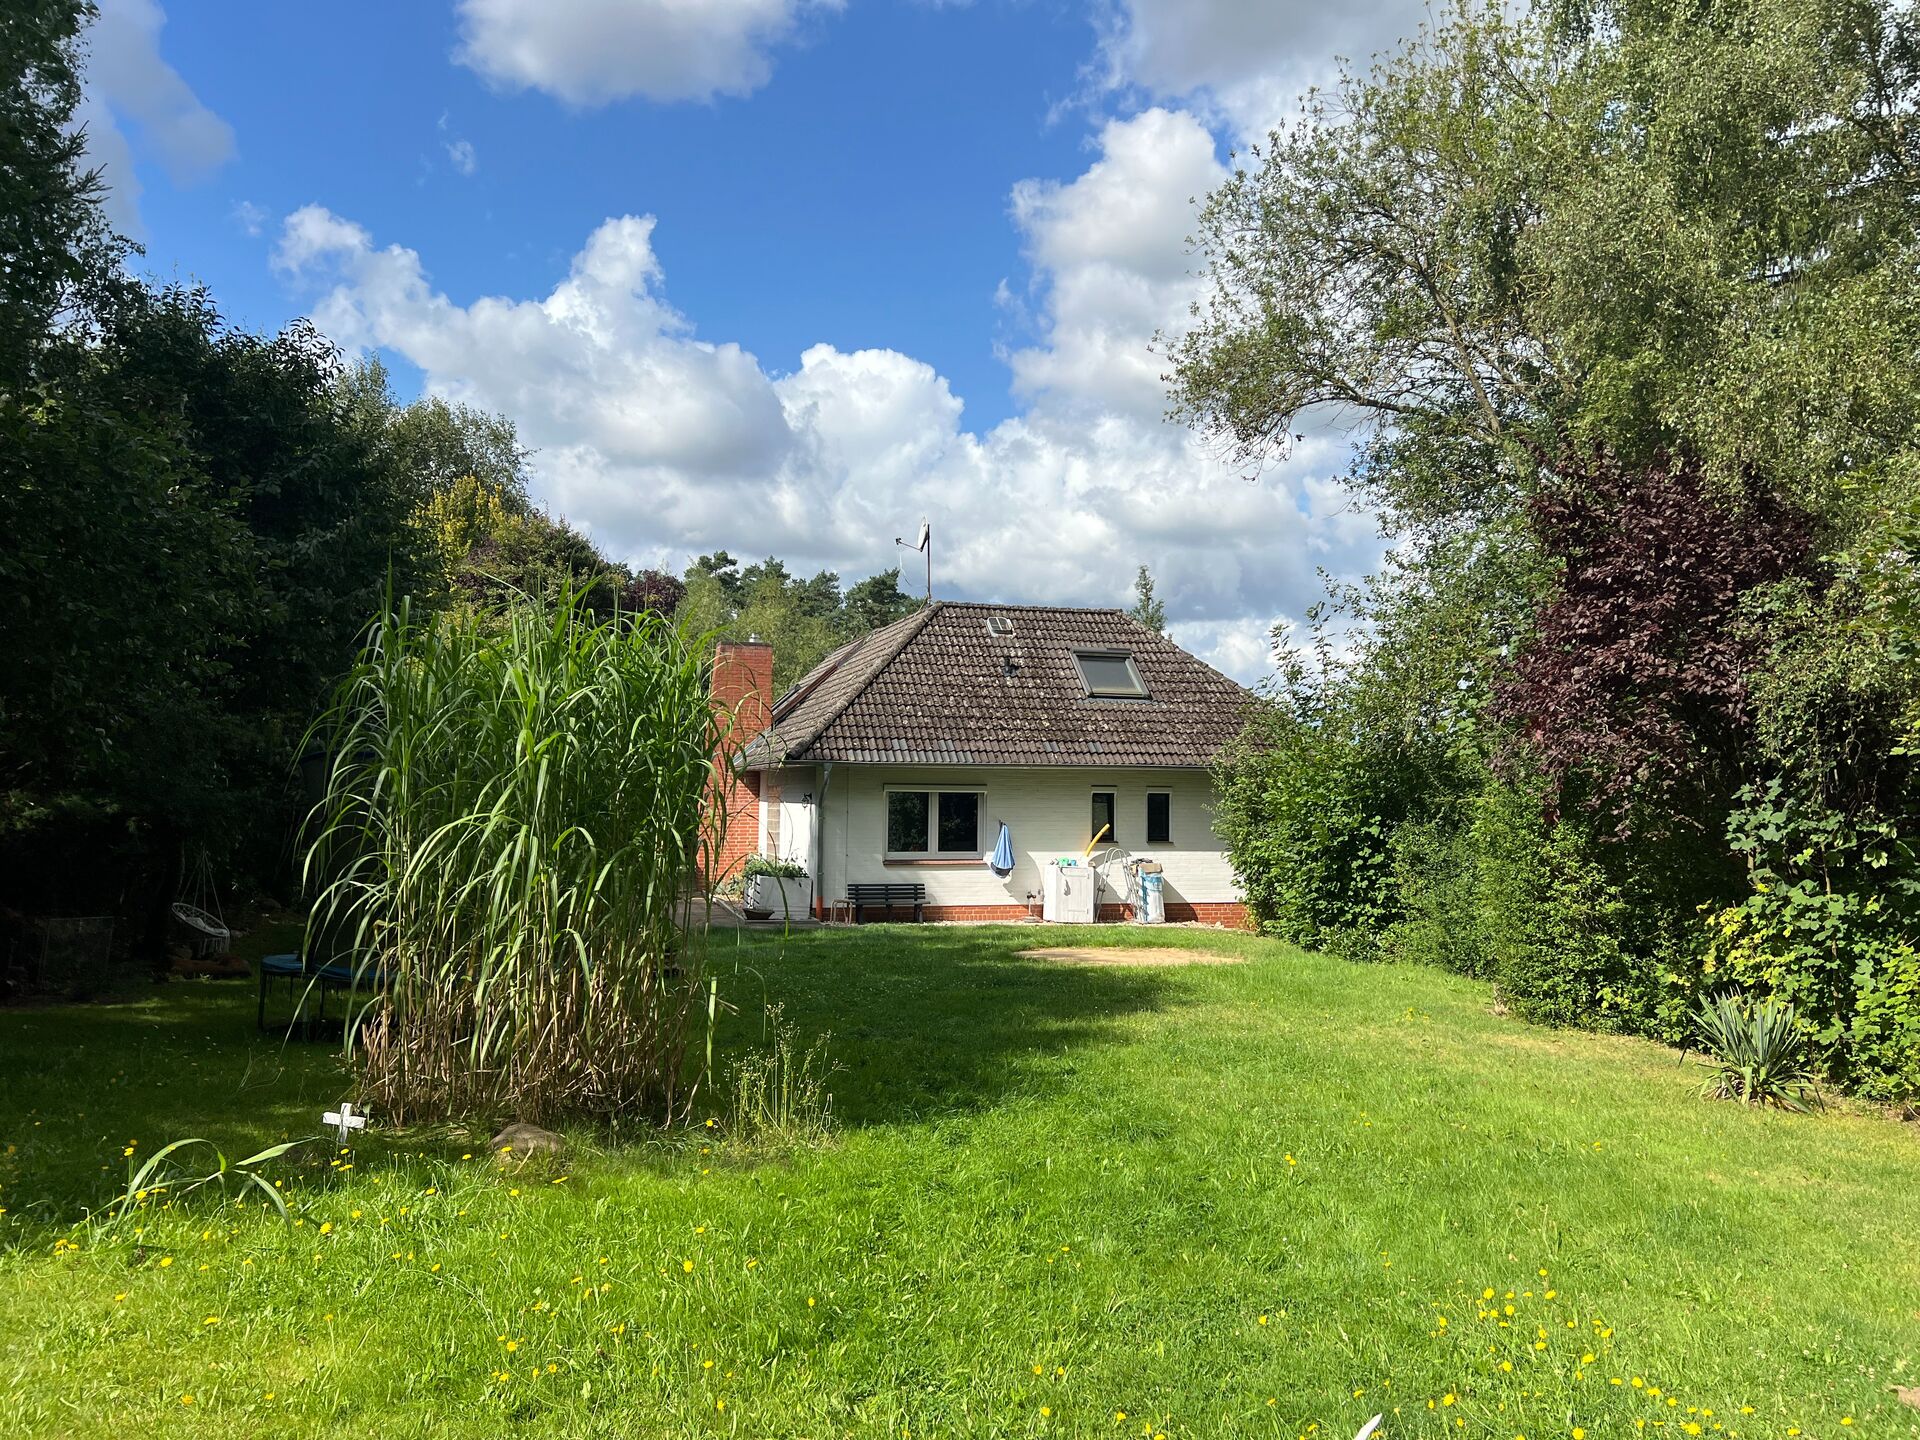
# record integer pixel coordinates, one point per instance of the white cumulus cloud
(129, 84)
(666, 444)
(1247, 60)
(590, 52)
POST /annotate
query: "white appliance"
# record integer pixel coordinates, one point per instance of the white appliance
(1073, 893)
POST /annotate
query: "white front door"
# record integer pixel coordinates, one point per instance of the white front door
(796, 823)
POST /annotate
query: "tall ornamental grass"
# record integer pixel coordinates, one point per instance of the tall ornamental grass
(515, 817)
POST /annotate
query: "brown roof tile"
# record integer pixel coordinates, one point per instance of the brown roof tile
(937, 688)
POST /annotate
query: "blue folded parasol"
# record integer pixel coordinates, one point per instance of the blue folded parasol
(1002, 861)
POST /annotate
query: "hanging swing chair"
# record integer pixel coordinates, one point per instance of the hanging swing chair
(199, 915)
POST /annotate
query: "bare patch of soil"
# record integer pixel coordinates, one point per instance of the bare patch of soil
(1157, 957)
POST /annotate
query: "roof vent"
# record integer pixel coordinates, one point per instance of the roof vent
(1000, 627)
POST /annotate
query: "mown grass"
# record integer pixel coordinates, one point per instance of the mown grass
(1266, 1199)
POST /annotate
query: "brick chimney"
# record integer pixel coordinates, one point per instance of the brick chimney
(743, 688)
(743, 684)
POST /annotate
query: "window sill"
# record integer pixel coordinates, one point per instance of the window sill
(935, 860)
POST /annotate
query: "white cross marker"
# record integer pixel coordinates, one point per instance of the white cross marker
(344, 1120)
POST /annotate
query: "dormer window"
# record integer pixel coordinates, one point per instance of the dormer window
(1110, 675)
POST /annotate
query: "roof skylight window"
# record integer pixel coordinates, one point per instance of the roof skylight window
(1110, 675)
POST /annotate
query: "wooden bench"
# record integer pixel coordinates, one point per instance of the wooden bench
(887, 897)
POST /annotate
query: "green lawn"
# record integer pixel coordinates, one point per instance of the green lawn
(1265, 1199)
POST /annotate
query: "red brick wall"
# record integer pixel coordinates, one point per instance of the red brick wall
(1230, 914)
(742, 688)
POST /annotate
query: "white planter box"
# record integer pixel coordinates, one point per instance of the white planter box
(781, 899)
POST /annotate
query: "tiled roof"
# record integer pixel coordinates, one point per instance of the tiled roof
(938, 688)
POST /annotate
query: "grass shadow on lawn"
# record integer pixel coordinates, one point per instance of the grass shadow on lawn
(924, 1022)
(82, 1082)
(934, 1021)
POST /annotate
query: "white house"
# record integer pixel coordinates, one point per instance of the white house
(901, 755)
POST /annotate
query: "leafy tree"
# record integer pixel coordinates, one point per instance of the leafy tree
(652, 591)
(781, 610)
(820, 596)
(1146, 609)
(54, 241)
(1632, 689)
(1680, 238)
(804, 620)
(1646, 225)
(721, 568)
(203, 529)
(436, 444)
(876, 601)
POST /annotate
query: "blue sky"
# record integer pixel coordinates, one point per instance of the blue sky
(778, 275)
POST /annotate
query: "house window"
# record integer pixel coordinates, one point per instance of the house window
(1159, 817)
(959, 822)
(933, 824)
(1106, 818)
(1110, 675)
(906, 822)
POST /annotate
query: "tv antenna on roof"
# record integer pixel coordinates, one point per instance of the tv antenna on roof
(925, 545)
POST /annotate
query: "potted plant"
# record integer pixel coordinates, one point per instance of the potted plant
(776, 887)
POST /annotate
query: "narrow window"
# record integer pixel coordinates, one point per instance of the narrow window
(1106, 827)
(906, 822)
(959, 822)
(1159, 818)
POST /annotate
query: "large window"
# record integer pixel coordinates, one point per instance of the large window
(938, 824)
(1106, 818)
(1110, 675)
(1159, 817)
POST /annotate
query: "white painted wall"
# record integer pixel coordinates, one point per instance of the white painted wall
(1048, 811)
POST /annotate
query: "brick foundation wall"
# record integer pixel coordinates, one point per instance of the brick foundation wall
(742, 687)
(1230, 914)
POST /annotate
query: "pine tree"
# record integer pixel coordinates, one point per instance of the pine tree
(1148, 611)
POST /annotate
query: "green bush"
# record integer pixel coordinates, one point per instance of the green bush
(1759, 1053)
(1433, 881)
(773, 867)
(1310, 803)
(1547, 918)
(1830, 926)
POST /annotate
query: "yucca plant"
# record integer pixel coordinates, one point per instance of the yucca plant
(516, 816)
(1759, 1055)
